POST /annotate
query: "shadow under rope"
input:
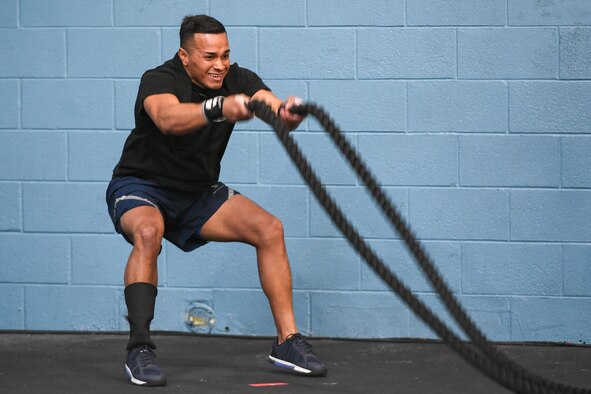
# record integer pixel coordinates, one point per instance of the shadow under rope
(486, 357)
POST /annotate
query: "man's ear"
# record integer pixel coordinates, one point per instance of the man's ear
(184, 56)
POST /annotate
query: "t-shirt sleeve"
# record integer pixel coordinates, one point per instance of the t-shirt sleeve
(248, 81)
(156, 82)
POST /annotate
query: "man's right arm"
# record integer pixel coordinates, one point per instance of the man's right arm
(173, 117)
(176, 118)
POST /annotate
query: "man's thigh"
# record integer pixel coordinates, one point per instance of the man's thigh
(238, 219)
(133, 202)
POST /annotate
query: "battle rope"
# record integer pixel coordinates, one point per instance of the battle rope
(489, 360)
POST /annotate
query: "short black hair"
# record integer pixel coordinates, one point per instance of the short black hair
(203, 24)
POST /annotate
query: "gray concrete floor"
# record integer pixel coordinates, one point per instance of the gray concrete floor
(93, 363)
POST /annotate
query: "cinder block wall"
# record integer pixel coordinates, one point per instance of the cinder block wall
(474, 115)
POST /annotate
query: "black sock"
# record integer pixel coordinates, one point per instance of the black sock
(140, 299)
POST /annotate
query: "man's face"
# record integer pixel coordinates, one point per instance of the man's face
(207, 59)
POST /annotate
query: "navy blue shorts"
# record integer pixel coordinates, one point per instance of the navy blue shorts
(184, 213)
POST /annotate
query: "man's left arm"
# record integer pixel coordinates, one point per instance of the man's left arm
(281, 108)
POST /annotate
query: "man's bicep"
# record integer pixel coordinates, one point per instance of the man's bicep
(155, 103)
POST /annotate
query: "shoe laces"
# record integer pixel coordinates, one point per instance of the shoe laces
(146, 356)
(300, 342)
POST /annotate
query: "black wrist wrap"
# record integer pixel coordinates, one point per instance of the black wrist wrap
(213, 109)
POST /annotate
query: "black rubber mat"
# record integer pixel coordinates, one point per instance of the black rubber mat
(93, 363)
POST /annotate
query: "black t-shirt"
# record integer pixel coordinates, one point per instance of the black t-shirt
(189, 162)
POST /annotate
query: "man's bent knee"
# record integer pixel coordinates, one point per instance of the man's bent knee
(270, 231)
(144, 226)
(148, 237)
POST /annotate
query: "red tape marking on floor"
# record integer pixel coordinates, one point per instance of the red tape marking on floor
(268, 384)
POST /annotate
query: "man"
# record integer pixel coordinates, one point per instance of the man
(166, 186)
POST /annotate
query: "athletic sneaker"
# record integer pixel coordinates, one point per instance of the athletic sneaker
(296, 354)
(141, 367)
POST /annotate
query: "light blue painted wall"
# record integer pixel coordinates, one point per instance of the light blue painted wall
(474, 115)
